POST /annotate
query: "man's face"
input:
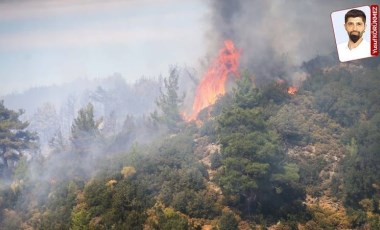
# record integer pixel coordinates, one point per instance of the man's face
(355, 28)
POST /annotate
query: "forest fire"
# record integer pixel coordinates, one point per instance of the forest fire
(214, 81)
(292, 90)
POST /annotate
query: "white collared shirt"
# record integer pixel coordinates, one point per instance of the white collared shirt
(363, 50)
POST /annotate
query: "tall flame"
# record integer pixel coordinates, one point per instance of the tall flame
(213, 82)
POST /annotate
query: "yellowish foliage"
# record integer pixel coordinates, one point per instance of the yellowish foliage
(327, 214)
(207, 227)
(128, 171)
(111, 183)
(366, 205)
(15, 186)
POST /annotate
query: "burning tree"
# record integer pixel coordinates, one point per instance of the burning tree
(213, 83)
(292, 90)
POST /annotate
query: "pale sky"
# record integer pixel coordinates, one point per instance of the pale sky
(45, 42)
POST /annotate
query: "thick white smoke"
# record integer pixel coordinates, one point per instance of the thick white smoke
(276, 37)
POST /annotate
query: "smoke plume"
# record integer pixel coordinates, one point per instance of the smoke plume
(276, 37)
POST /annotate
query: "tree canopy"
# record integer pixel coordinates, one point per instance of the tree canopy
(84, 129)
(14, 138)
(169, 103)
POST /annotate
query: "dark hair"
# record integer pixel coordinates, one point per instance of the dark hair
(353, 14)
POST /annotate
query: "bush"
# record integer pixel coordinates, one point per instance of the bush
(228, 222)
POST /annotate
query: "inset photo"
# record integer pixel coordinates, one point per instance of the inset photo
(356, 32)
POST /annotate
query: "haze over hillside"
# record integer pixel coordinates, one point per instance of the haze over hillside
(268, 131)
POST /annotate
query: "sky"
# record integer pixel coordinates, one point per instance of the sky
(46, 42)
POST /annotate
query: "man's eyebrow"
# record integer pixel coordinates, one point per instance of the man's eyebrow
(355, 22)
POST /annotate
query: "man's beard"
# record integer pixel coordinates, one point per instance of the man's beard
(355, 37)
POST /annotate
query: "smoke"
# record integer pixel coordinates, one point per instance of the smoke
(276, 37)
(45, 175)
(122, 109)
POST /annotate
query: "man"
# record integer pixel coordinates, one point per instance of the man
(356, 47)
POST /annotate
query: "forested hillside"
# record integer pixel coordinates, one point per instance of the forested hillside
(259, 158)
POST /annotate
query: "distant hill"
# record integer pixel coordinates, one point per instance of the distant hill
(59, 104)
(82, 89)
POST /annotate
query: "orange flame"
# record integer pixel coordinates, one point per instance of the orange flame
(213, 82)
(292, 90)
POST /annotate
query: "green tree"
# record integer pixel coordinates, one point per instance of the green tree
(59, 205)
(14, 138)
(169, 219)
(341, 102)
(84, 130)
(291, 124)
(275, 93)
(215, 161)
(254, 171)
(246, 95)
(79, 217)
(361, 173)
(129, 202)
(98, 197)
(228, 222)
(169, 103)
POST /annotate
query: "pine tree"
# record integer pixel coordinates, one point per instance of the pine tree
(14, 138)
(169, 103)
(254, 175)
(84, 129)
